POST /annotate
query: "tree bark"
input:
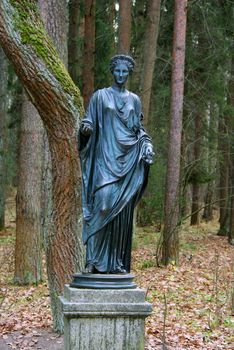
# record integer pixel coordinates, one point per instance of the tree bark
(149, 55)
(105, 29)
(54, 15)
(137, 44)
(59, 103)
(55, 18)
(231, 99)
(125, 9)
(209, 197)
(3, 136)
(196, 186)
(89, 51)
(231, 227)
(224, 161)
(211, 161)
(73, 58)
(28, 202)
(170, 244)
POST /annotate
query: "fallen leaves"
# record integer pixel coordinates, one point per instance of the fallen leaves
(197, 293)
(198, 312)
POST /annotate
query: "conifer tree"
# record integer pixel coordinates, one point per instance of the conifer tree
(170, 244)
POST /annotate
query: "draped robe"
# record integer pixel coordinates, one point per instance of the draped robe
(114, 177)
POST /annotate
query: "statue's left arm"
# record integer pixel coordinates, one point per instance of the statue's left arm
(147, 146)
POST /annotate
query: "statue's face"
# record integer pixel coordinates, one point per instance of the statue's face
(121, 73)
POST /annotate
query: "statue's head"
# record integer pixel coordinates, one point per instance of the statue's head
(122, 59)
(121, 66)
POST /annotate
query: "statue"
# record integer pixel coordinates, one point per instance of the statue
(115, 154)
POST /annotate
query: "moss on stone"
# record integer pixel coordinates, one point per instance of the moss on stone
(33, 33)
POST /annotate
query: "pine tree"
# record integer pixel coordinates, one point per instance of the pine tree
(124, 40)
(170, 247)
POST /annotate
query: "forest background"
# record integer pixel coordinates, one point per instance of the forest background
(38, 157)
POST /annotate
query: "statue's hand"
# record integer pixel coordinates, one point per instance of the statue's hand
(86, 128)
(148, 153)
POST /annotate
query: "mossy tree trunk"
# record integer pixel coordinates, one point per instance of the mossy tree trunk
(55, 17)
(57, 99)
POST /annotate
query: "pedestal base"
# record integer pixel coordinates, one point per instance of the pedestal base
(103, 281)
(103, 319)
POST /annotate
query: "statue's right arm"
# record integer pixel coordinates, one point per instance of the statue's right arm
(86, 127)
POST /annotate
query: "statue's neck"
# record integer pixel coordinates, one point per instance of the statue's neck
(118, 88)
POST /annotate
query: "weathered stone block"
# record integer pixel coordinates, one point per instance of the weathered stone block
(104, 319)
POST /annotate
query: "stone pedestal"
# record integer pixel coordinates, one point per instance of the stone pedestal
(104, 319)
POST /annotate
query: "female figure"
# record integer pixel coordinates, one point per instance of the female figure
(115, 154)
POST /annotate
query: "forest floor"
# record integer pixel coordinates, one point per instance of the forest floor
(192, 303)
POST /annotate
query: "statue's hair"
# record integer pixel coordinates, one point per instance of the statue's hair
(126, 59)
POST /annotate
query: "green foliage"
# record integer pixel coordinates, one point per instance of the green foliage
(151, 209)
(197, 174)
(7, 240)
(208, 54)
(147, 264)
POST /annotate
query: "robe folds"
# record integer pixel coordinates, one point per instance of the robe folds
(114, 177)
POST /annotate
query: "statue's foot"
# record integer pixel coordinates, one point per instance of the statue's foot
(90, 268)
(119, 270)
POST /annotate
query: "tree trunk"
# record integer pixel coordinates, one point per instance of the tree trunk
(211, 161)
(124, 41)
(231, 122)
(89, 51)
(149, 56)
(224, 162)
(59, 103)
(137, 44)
(73, 33)
(231, 226)
(28, 200)
(170, 244)
(209, 197)
(106, 32)
(54, 16)
(185, 205)
(197, 158)
(224, 177)
(3, 135)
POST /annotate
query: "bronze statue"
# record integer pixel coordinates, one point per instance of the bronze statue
(115, 154)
